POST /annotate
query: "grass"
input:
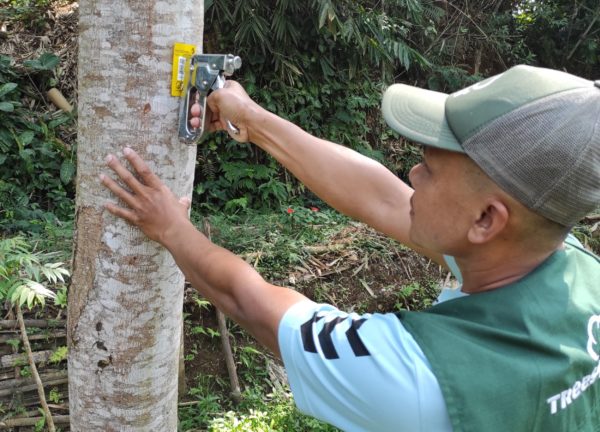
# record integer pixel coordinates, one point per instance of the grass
(267, 404)
(275, 241)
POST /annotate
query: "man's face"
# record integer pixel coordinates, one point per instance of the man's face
(442, 205)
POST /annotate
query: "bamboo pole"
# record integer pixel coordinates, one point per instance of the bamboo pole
(30, 421)
(19, 359)
(22, 382)
(39, 323)
(34, 372)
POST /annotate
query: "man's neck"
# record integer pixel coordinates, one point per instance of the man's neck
(488, 271)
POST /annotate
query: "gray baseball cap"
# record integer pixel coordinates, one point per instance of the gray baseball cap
(534, 131)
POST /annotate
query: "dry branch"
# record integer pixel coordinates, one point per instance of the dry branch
(30, 421)
(30, 387)
(41, 336)
(34, 372)
(20, 359)
(20, 383)
(583, 35)
(236, 394)
(12, 324)
(592, 218)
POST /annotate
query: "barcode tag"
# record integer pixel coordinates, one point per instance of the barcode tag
(182, 55)
(181, 68)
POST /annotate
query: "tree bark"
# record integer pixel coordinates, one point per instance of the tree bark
(125, 300)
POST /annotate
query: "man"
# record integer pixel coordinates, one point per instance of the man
(510, 165)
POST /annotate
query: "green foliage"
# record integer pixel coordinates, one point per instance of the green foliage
(279, 415)
(15, 343)
(323, 65)
(61, 297)
(563, 34)
(319, 64)
(59, 354)
(54, 395)
(31, 12)
(37, 179)
(206, 331)
(23, 273)
(39, 425)
(206, 392)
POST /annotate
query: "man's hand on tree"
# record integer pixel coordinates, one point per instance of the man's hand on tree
(152, 206)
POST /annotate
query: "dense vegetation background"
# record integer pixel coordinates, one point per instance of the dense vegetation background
(322, 64)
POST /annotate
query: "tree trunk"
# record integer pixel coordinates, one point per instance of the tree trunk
(125, 300)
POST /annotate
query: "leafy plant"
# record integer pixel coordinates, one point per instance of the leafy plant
(23, 273)
(54, 395)
(562, 34)
(320, 64)
(59, 354)
(36, 182)
(61, 297)
(39, 425)
(206, 331)
(30, 12)
(15, 343)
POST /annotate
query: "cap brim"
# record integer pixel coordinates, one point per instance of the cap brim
(419, 115)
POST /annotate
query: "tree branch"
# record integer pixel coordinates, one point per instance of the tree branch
(34, 372)
(236, 394)
(583, 35)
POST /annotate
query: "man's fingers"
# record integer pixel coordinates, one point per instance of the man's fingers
(128, 215)
(195, 111)
(146, 174)
(214, 122)
(124, 174)
(121, 193)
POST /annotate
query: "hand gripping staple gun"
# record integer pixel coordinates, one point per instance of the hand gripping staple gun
(204, 73)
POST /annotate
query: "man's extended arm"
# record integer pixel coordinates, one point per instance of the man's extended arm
(348, 181)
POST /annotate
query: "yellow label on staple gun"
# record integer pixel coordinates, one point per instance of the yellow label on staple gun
(182, 55)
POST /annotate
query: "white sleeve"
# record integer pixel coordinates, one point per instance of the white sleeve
(359, 372)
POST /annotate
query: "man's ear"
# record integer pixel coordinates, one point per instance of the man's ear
(491, 222)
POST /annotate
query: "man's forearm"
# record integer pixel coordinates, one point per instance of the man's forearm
(212, 270)
(348, 181)
(231, 284)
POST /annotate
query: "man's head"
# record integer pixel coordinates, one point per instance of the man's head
(534, 132)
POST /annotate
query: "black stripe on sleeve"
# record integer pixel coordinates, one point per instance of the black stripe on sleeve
(325, 338)
(357, 345)
(308, 342)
